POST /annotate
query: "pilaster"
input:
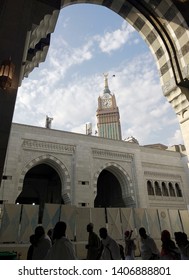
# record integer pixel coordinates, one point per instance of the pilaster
(179, 99)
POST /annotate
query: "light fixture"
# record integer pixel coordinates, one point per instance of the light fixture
(6, 73)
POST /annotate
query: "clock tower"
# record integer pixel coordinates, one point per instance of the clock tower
(108, 120)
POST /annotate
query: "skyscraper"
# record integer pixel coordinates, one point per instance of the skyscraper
(108, 119)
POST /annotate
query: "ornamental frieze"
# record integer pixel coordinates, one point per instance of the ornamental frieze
(111, 154)
(161, 175)
(171, 169)
(29, 144)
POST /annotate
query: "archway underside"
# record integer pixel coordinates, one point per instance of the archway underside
(57, 168)
(41, 185)
(113, 187)
(108, 191)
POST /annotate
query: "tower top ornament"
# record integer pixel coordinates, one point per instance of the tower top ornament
(106, 87)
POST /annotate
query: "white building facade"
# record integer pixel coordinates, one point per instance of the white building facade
(52, 166)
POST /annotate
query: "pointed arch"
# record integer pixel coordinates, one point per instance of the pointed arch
(127, 188)
(150, 188)
(164, 189)
(56, 164)
(157, 189)
(178, 190)
(171, 189)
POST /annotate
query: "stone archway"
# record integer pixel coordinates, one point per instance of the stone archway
(113, 187)
(41, 185)
(108, 191)
(44, 164)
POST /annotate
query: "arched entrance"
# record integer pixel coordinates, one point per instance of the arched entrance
(113, 187)
(59, 173)
(41, 185)
(109, 192)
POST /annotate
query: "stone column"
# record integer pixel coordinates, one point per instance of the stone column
(179, 99)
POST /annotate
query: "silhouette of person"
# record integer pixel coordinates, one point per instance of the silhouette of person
(109, 248)
(130, 246)
(169, 251)
(148, 248)
(93, 245)
(42, 245)
(62, 248)
(183, 244)
(31, 247)
(50, 234)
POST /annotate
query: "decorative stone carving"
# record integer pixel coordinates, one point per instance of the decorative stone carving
(162, 175)
(47, 146)
(113, 155)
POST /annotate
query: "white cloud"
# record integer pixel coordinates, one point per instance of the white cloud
(112, 41)
(159, 111)
(61, 58)
(176, 138)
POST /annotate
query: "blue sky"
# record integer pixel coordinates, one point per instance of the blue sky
(90, 40)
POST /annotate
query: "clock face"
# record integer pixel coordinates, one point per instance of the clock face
(106, 103)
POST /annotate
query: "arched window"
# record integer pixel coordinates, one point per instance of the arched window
(178, 190)
(150, 188)
(164, 189)
(171, 189)
(157, 189)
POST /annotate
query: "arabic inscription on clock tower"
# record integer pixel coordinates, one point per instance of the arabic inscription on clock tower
(108, 119)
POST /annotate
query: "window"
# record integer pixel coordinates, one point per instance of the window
(6, 177)
(150, 188)
(178, 190)
(83, 183)
(157, 189)
(171, 190)
(83, 204)
(164, 189)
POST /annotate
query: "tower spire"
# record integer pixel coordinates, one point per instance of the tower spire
(106, 87)
(108, 120)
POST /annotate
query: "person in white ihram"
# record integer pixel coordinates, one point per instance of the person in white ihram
(62, 248)
(149, 250)
(110, 249)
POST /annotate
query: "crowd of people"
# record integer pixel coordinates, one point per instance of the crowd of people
(55, 245)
